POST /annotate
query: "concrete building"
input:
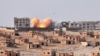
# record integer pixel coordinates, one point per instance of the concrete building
(73, 26)
(87, 25)
(97, 26)
(21, 22)
(70, 24)
(83, 25)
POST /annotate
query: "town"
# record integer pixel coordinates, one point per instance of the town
(49, 38)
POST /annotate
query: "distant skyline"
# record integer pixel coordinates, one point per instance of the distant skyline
(57, 10)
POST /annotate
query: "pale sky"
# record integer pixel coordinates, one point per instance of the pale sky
(57, 10)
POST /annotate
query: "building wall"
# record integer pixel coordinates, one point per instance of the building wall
(96, 53)
(48, 52)
(30, 53)
(62, 53)
(8, 53)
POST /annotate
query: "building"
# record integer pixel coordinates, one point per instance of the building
(48, 52)
(87, 25)
(30, 53)
(83, 25)
(64, 53)
(97, 26)
(96, 53)
(7, 31)
(21, 22)
(8, 53)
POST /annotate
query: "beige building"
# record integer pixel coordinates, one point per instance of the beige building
(3, 53)
(69, 39)
(30, 53)
(96, 53)
(8, 53)
(48, 52)
(6, 31)
(3, 42)
(64, 53)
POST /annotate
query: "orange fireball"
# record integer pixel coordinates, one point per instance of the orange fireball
(43, 24)
(35, 21)
(47, 21)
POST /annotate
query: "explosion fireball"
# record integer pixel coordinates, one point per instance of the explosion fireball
(43, 24)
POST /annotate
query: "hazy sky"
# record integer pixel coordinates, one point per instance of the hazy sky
(58, 10)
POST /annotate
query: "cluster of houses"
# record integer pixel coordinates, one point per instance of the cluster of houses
(28, 39)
